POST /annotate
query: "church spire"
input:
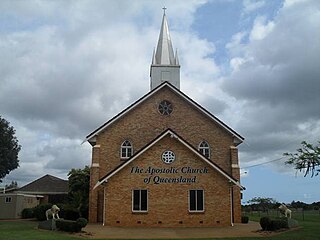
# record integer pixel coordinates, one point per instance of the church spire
(165, 64)
(164, 53)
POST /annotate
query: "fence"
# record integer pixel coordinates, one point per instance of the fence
(298, 214)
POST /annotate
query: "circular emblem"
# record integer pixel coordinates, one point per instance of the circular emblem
(165, 107)
(168, 157)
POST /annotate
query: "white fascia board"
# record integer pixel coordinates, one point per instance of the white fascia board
(210, 163)
(234, 134)
(181, 141)
(120, 115)
(132, 159)
(208, 115)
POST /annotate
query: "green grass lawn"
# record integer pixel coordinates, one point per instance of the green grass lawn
(27, 230)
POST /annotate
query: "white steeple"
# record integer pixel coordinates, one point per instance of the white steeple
(165, 64)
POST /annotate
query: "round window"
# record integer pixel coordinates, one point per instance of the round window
(165, 107)
(168, 157)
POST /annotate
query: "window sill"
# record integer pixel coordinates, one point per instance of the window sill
(196, 212)
(139, 212)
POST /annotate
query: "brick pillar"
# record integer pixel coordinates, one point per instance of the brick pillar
(94, 177)
(235, 170)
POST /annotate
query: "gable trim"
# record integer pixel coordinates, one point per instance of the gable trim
(181, 140)
(92, 135)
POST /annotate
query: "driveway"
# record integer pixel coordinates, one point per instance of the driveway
(238, 230)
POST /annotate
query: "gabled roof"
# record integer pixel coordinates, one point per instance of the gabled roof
(47, 185)
(181, 140)
(151, 93)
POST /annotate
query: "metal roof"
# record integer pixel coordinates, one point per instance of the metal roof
(164, 54)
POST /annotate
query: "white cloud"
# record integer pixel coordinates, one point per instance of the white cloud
(275, 81)
(252, 5)
(260, 29)
(68, 67)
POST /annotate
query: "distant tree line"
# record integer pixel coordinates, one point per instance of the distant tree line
(265, 204)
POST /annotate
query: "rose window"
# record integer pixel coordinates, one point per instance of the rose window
(168, 157)
(165, 107)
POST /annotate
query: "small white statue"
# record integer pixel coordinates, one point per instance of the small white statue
(285, 210)
(53, 211)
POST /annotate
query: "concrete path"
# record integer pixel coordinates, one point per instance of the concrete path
(239, 230)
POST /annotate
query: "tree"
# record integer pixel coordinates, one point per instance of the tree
(9, 148)
(307, 159)
(298, 204)
(13, 184)
(79, 182)
(262, 203)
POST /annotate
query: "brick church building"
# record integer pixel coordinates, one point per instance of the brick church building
(165, 161)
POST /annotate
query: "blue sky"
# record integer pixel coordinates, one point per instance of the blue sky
(69, 66)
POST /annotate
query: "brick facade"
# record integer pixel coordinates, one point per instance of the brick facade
(111, 202)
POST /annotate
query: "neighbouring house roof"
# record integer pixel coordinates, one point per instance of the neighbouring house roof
(238, 138)
(46, 185)
(8, 190)
(19, 194)
(181, 140)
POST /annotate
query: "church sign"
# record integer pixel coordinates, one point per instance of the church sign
(155, 178)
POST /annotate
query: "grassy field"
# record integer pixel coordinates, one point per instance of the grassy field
(308, 220)
(27, 230)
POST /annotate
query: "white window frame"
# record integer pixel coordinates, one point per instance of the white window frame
(126, 147)
(141, 211)
(203, 201)
(202, 148)
(8, 200)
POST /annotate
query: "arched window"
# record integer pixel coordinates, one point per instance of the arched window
(126, 149)
(204, 148)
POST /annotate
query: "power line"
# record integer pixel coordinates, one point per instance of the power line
(259, 164)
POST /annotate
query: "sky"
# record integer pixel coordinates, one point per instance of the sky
(67, 67)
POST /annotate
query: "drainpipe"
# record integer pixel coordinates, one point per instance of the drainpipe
(231, 204)
(104, 204)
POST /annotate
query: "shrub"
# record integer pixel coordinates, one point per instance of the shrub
(277, 224)
(292, 223)
(68, 225)
(27, 213)
(68, 212)
(39, 211)
(272, 225)
(244, 219)
(71, 226)
(265, 223)
(84, 211)
(82, 222)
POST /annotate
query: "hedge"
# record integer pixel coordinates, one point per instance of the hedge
(71, 226)
(68, 212)
(27, 213)
(244, 219)
(268, 224)
(39, 211)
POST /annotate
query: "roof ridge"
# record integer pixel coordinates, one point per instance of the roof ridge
(147, 95)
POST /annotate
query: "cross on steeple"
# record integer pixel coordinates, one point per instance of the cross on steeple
(164, 10)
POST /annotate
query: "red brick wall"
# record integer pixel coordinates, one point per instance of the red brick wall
(144, 123)
(168, 203)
